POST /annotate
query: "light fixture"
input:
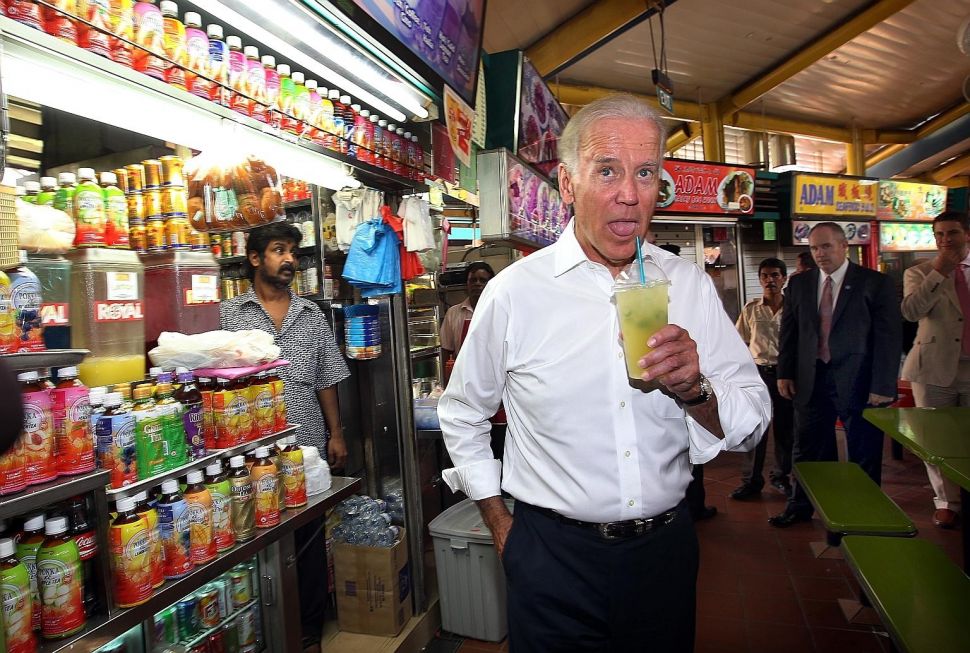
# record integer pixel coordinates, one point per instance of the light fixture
(299, 27)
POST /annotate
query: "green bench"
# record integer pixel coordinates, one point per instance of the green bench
(850, 503)
(920, 595)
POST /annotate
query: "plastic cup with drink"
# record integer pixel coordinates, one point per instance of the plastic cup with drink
(641, 295)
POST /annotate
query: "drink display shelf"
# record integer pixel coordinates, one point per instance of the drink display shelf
(35, 360)
(36, 497)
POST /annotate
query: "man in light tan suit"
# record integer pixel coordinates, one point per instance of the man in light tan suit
(936, 294)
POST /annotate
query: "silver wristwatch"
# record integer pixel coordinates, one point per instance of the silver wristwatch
(707, 391)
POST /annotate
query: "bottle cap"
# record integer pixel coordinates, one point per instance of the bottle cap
(186, 377)
(311, 84)
(85, 173)
(281, 443)
(407, 135)
(414, 139)
(164, 377)
(223, 381)
(113, 400)
(298, 77)
(237, 461)
(262, 452)
(214, 469)
(375, 118)
(392, 127)
(27, 377)
(154, 371)
(109, 178)
(382, 123)
(322, 92)
(48, 181)
(34, 522)
(171, 486)
(283, 69)
(345, 99)
(214, 32)
(169, 8)
(32, 186)
(141, 497)
(204, 379)
(234, 42)
(6, 547)
(195, 476)
(66, 178)
(251, 52)
(96, 398)
(290, 439)
(334, 94)
(269, 61)
(180, 369)
(355, 107)
(125, 504)
(364, 113)
(55, 526)
(193, 19)
(66, 372)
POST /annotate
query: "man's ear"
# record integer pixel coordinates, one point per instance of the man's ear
(565, 185)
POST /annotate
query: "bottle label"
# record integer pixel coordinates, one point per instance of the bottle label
(173, 525)
(202, 542)
(87, 544)
(155, 556)
(71, 412)
(151, 447)
(192, 421)
(59, 580)
(38, 437)
(222, 514)
(116, 448)
(130, 546)
(17, 612)
(265, 484)
(243, 508)
(294, 478)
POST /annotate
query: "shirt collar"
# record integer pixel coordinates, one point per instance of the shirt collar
(837, 276)
(467, 306)
(966, 261)
(569, 253)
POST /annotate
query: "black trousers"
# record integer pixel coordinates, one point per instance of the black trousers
(571, 591)
(783, 423)
(815, 434)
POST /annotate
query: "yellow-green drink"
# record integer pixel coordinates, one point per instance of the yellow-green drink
(642, 311)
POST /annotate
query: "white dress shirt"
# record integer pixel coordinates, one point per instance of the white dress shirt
(545, 340)
(837, 278)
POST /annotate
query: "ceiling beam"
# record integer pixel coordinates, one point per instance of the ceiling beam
(688, 131)
(883, 154)
(888, 136)
(955, 167)
(583, 95)
(942, 120)
(585, 32)
(805, 56)
(757, 122)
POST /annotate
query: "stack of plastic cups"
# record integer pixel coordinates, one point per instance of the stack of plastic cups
(362, 331)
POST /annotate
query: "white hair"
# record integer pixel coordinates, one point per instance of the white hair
(619, 105)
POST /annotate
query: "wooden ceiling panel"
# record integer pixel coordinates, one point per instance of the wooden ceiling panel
(517, 24)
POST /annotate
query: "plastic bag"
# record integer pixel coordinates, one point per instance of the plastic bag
(317, 471)
(214, 349)
(230, 191)
(43, 229)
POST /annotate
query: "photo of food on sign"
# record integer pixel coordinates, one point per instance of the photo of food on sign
(541, 121)
(459, 122)
(666, 193)
(736, 189)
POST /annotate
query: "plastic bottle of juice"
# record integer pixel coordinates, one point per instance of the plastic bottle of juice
(170, 412)
(173, 40)
(256, 82)
(190, 397)
(272, 89)
(301, 102)
(17, 601)
(218, 65)
(348, 114)
(197, 56)
(326, 120)
(279, 399)
(266, 487)
(89, 216)
(410, 157)
(173, 524)
(313, 111)
(365, 137)
(265, 414)
(116, 212)
(294, 478)
(122, 26)
(381, 144)
(274, 455)
(94, 37)
(242, 500)
(206, 390)
(350, 127)
(285, 104)
(32, 189)
(149, 27)
(24, 11)
(238, 81)
(59, 20)
(31, 537)
(419, 158)
(96, 404)
(217, 482)
(26, 299)
(150, 515)
(48, 189)
(85, 536)
(130, 543)
(338, 121)
(59, 581)
(72, 429)
(13, 468)
(250, 459)
(151, 451)
(38, 435)
(64, 196)
(241, 410)
(226, 427)
(199, 500)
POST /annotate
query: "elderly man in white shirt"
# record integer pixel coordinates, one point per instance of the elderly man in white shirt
(601, 553)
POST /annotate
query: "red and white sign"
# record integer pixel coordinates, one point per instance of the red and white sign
(55, 314)
(118, 311)
(692, 187)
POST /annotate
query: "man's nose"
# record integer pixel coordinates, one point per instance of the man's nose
(627, 192)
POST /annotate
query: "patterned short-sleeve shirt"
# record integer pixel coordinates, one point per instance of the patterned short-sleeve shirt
(307, 341)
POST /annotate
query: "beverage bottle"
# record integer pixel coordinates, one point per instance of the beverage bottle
(89, 217)
(170, 413)
(418, 158)
(59, 582)
(173, 525)
(59, 20)
(149, 30)
(351, 123)
(365, 137)
(173, 41)
(392, 145)
(17, 608)
(217, 482)
(272, 89)
(348, 115)
(256, 81)
(377, 135)
(338, 121)
(124, 389)
(202, 541)
(95, 411)
(155, 559)
(279, 399)
(218, 65)
(151, 451)
(190, 396)
(48, 189)
(28, 544)
(274, 456)
(116, 212)
(32, 189)
(285, 105)
(130, 543)
(401, 166)
(223, 406)
(38, 434)
(263, 406)
(382, 144)
(238, 81)
(242, 497)
(325, 120)
(294, 478)
(24, 11)
(196, 56)
(85, 535)
(153, 374)
(121, 23)
(13, 468)
(94, 37)
(313, 112)
(301, 102)
(26, 299)
(64, 196)
(266, 487)
(242, 410)
(206, 389)
(409, 156)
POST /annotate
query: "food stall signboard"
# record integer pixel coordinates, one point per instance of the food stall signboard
(833, 196)
(858, 233)
(692, 187)
(904, 200)
(541, 121)
(906, 237)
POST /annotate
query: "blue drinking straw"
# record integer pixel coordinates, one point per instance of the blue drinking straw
(643, 275)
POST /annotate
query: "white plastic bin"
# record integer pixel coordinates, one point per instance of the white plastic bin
(471, 581)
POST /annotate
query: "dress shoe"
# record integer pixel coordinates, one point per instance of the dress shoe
(745, 491)
(704, 513)
(789, 517)
(782, 485)
(945, 518)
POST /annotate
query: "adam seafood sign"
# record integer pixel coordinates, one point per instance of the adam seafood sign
(833, 196)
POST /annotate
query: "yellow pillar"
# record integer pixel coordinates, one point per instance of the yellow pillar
(712, 131)
(855, 153)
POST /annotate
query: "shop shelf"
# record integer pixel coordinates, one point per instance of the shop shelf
(74, 644)
(298, 204)
(60, 489)
(228, 260)
(424, 352)
(35, 360)
(195, 639)
(208, 459)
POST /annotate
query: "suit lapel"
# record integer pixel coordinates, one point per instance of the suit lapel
(849, 284)
(813, 298)
(950, 289)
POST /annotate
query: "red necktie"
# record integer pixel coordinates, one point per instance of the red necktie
(963, 294)
(825, 321)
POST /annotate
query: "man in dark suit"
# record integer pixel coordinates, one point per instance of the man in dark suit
(839, 351)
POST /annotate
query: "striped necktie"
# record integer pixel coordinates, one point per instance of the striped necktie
(825, 309)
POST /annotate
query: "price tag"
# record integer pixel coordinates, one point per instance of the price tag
(121, 286)
(205, 288)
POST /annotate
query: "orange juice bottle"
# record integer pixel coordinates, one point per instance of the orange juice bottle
(38, 435)
(59, 579)
(274, 455)
(226, 423)
(217, 482)
(294, 478)
(72, 428)
(279, 399)
(265, 483)
(173, 40)
(263, 407)
(130, 543)
(242, 410)
(173, 525)
(150, 515)
(201, 536)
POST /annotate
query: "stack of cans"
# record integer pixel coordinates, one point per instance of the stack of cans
(362, 331)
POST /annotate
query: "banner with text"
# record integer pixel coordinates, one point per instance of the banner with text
(833, 196)
(692, 187)
(905, 200)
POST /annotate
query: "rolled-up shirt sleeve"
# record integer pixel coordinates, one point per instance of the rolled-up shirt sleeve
(474, 394)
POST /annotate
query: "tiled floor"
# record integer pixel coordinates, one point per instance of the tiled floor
(761, 590)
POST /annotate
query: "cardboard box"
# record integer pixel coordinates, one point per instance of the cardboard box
(373, 588)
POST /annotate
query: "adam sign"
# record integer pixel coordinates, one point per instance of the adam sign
(118, 311)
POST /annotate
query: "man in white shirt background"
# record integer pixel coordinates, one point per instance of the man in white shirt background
(935, 293)
(601, 553)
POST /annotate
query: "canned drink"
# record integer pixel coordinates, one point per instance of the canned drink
(122, 176)
(253, 577)
(225, 596)
(153, 173)
(136, 206)
(174, 200)
(230, 634)
(153, 203)
(187, 616)
(201, 647)
(215, 244)
(239, 243)
(242, 588)
(208, 606)
(136, 177)
(166, 626)
(172, 171)
(217, 642)
(138, 237)
(199, 240)
(177, 232)
(228, 289)
(155, 237)
(246, 628)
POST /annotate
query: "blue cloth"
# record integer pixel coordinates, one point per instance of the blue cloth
(374, 259)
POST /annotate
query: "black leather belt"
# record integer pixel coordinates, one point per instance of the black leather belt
(768, 368)
(614, 530)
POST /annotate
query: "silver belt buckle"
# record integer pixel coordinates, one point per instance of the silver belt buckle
(606, 532)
